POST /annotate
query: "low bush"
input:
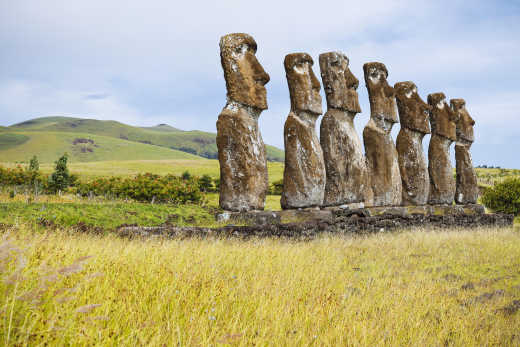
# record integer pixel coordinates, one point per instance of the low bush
(503, 196)
(276, 187)
(145, 187)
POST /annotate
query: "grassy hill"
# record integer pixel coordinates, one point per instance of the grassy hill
(195, 142)
(81, 147)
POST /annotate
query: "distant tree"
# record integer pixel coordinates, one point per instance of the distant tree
(217, 184)
(60, 178)
(34, 165)
(186, 175)
(206, 183)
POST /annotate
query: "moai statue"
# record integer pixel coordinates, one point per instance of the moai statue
(380, 151)
(304, 172)
(466, 191)
(241, 150)
(344, 160)
(414, 119)
(442, 120)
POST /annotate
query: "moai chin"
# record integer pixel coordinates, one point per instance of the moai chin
(304, 172)
(442, 120)
(414, 118)
(380, 150)
(343, 154)
(241, 150)
(466, 191)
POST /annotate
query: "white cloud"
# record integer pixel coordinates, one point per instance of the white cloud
(157, 61)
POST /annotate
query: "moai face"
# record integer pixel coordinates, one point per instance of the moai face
(413, 111)
(442, 117)
(245, 77)
(304, 87)
(339, 83)
(464, 123)
(380, 94)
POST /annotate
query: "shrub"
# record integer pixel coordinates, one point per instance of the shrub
(276, 187)
(145, 187)
(217, 184)
(504, 196)
(20, 177)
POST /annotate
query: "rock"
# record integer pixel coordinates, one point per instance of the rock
(299, 216)
(380, 151)
(466, 191)
(442, 120)
(413, 115)
(241, 150)
(304, 171)
(345, 165)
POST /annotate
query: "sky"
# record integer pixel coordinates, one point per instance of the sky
(157, 61)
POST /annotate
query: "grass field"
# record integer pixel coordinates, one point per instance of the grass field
(423, 288)
(48, 146)
(196, 167)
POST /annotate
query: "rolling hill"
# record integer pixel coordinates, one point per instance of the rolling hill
(42, 134)
(81, 147)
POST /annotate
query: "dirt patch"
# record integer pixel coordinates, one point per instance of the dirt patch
(510, 309)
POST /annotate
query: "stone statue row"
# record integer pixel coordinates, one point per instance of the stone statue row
(332, 170)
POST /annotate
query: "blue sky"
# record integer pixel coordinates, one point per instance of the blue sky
(150, 62)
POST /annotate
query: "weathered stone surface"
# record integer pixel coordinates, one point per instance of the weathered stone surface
(380, 150)
(241, 150)
(342, 222)
(442, 120)
(413, 115)
(304, 171)
(466, 191)
(345, 165)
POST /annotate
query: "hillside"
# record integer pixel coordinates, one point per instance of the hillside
(195, 142)
(81, 147)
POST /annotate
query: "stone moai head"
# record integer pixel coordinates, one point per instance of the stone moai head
(245, 77)
(442, 117)
(339, 83)
(304, 87)
(380, 93)
(464, 122)
(413, 111)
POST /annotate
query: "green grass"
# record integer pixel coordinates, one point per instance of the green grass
(48, 146)
(106, 215)
(196, 142)
(102, 215)
(10, 140)
(394, 289)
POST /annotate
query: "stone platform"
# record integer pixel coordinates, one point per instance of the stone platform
(308, 223)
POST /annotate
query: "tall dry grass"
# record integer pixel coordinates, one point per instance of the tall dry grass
(420, 288)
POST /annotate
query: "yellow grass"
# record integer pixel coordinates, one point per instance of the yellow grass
(379, 290)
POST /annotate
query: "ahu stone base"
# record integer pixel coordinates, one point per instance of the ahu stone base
(308, 223)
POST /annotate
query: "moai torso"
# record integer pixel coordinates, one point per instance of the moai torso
(442, 121)
(241, 151)
(304, 171)
(466, 191)
(380, 151)
(414, 119)
(344, 160)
